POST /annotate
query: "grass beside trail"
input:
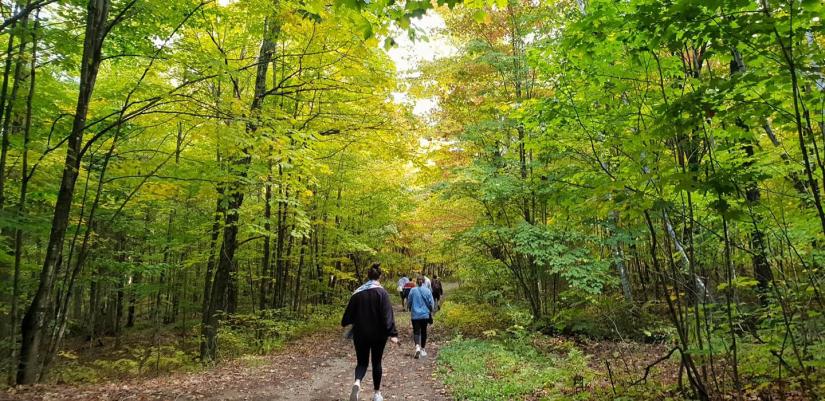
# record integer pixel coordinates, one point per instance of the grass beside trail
(496, 354)
(485, 369)
(492, 356)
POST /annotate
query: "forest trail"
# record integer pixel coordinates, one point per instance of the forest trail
(318, 367)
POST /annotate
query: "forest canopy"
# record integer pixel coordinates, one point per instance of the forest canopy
(193, 180)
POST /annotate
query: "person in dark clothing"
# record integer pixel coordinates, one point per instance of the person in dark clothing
(370, 313)
(438, 291)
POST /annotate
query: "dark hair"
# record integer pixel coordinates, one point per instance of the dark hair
(375, 271)
(419, 280)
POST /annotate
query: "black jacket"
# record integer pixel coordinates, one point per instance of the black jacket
(438, 290)
(370, 314)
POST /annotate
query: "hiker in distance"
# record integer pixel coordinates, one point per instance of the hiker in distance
(405, 293)
(401, 283)
(427, 282)
(370, 313)
(421, 305)
(438, 291)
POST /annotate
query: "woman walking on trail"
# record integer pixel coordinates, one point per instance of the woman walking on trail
(370, 313)
(421, 305)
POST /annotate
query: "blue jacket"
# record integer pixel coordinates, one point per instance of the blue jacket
(421, 303)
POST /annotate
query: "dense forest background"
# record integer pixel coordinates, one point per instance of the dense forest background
(185, 182)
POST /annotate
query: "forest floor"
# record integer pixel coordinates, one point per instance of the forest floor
(318, 367)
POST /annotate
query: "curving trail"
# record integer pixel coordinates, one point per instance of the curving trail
(316, 368)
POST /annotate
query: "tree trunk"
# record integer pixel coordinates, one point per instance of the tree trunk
(618, 258)
(266, 260)
(220, 213)
(280, 244)
(25, 176)
(761, 266)
(296, 296)
(34, 320)
(130, 311)
(9, 103)
(235, 193)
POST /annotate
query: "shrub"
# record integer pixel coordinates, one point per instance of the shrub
(266, 332)
(607, 318)
(474, 320)
(135, 361)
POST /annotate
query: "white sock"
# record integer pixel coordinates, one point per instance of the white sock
(357, 383)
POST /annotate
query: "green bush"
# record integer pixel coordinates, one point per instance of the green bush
(268, 331)
(134, 361)
(477, 319)
(608, 317)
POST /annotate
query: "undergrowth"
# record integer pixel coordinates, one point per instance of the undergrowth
(241, 337)
(494, 369)
(605, 349)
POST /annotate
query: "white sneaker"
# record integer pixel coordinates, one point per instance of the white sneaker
(417, 351)
(423, 353)
(353, 396)
(378, 397)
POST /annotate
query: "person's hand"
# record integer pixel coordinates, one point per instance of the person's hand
(394, 340)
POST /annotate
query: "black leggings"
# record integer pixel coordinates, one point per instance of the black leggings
(420, 331)
(363, 348)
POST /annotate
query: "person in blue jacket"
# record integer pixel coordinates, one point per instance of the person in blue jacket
(421, 304)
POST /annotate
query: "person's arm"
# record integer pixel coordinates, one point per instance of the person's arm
(389, 317)
(346, 320)
(428, 299)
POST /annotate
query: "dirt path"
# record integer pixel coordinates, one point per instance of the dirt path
(316, 368)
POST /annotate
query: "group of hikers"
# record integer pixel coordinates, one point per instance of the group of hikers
(405, 286)
(370, 313)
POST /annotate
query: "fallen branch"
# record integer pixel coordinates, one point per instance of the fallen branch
(656, 362)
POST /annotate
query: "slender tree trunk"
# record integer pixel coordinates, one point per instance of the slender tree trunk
(618, 258)
(167, 275)
(728, 297)
(281, 244)
(266, 260)
(130, 310)
(11, 125)
(63, 302)
(119, 310)
(761, 266)
(4, 144)
(296, 296)
(787, 52)
(9, 103)
(235, 193)
(215, 232)
(5, 90)
(25, 176)
(34, 320)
